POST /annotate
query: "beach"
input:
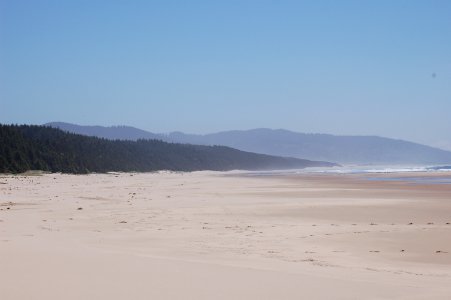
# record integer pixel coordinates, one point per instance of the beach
(232, 235)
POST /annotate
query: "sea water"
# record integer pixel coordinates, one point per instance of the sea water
(446, 170)
(416, 180)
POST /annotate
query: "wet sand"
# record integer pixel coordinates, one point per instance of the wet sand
(207, 235)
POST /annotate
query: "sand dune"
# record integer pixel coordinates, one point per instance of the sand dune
(211, 235)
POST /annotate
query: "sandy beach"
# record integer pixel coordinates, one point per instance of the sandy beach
(207, 235)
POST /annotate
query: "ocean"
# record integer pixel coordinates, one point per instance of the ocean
(374, 170)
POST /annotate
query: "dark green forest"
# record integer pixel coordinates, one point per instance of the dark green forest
(31, 147)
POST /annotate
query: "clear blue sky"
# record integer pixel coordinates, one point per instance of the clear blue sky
(342, 67)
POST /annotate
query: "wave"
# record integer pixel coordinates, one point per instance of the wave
(376, 169)
(352, 170)
(441, 168)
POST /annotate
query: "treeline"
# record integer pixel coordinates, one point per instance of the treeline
(30, 147)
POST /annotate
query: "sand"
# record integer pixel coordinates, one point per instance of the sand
(207, 235)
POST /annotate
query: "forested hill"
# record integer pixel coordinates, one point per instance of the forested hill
(322, 147)
(29, 147)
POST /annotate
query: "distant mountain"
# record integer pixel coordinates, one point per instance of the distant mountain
(341, 149)
(111, 133)
(322, 147)
(28, 147)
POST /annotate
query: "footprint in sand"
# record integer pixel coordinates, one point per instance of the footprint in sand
(308, 260)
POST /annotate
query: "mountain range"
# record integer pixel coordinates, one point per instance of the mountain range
(280, 142)
(31, 147)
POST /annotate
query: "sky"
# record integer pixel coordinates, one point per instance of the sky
(341, 67)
